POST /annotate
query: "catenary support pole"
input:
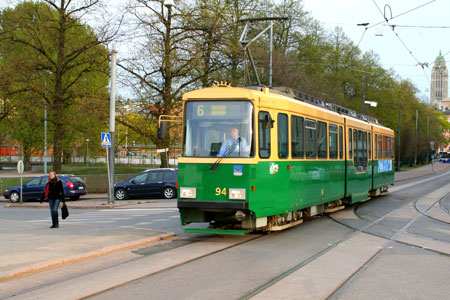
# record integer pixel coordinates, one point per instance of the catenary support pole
(364, 95)
(399, 133)
(271, 55)
(112, 122)
(415, 146)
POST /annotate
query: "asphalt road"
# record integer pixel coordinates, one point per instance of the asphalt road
(158, 219)
(399, 272)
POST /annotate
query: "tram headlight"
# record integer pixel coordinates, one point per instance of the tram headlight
(186, 192)
(236, 194)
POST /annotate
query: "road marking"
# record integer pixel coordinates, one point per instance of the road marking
(440, 230)
(160, 220)
(175, 217)
(144, 223)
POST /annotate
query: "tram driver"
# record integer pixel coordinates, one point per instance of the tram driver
(240, 144)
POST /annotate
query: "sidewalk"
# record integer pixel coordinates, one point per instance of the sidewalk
(421, 171)
(27, 247)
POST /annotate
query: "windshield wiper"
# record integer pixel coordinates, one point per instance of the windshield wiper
(226, 153)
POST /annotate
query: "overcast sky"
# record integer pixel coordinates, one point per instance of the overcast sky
(424, 43)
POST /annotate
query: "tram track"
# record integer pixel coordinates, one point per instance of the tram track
(298, 266)
(403, 230)
(355, 232)
(317, 255)
(123, 263)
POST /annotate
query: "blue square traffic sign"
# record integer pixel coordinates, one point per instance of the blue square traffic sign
(106, 139)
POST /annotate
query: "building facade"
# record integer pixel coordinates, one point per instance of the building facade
(439, 82)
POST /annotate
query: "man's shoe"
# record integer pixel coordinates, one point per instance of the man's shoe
(54, 226)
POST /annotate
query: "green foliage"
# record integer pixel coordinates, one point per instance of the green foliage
(51, 57)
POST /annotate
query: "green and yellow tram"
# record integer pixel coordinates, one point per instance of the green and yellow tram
(264, 159)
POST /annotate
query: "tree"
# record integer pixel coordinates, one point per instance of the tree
(65, 56)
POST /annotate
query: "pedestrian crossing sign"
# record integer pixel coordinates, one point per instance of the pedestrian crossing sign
(106, 139)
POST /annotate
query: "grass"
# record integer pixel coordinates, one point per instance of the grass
(10, 182)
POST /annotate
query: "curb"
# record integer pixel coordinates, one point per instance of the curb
(71, 206)
(29, 270)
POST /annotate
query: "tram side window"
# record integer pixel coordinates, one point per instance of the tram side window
(333, 141)
(375, 152)
(392, 148)
(310, 130)
(370, 146)
(360, 150)
(360, 154)
(341, 143)
(364, 139)
(385, 147)
(380, 146)
(264, 134)
(350, 144)
(282, 136)
(322, 140)
(297, 137)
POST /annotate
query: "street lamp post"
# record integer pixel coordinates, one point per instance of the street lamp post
(45, 138)
(87, 151)
(398, 133)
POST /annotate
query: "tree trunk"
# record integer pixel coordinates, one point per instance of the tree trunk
(27, 157)
(162, 144)
(58, 136)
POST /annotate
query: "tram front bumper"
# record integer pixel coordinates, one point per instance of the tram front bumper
(225, 205)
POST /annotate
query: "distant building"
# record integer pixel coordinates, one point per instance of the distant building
(439, 82)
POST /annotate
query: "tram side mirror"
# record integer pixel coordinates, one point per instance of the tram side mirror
(268, 122)
(162, 127)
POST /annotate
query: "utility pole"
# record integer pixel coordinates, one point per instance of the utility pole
(364, 95)
(428, 137)
(112, 123)
(415, 147)
(270, 54)
(398, 133)
(45, 138)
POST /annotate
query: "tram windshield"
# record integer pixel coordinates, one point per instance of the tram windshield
(218, 129)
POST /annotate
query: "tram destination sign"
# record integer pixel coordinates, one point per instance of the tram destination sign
(217, 110)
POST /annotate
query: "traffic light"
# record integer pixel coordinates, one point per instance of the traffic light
(162, 126)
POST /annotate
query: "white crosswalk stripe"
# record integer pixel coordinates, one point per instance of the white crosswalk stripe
(142, 217)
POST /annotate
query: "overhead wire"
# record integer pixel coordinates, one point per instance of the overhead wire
(403, 13)
(392, 17)
(422, 65)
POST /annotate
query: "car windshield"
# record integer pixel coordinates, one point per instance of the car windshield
(218, 129)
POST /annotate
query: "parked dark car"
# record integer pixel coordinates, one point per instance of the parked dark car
(33, 189)
(148, 183)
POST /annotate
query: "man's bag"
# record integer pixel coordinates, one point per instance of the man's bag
(64, 211)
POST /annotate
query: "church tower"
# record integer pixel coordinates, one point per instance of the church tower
(439, 82)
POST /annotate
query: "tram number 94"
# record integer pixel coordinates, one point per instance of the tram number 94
(220, 191)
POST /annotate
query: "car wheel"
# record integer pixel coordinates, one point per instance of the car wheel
(120, 194)
(14, 197)
(74, 197)
(168, 193)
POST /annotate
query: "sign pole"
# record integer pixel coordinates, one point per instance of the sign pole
(20, 169)
(107, 142)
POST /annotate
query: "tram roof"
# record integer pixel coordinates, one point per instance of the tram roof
(237, 93)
